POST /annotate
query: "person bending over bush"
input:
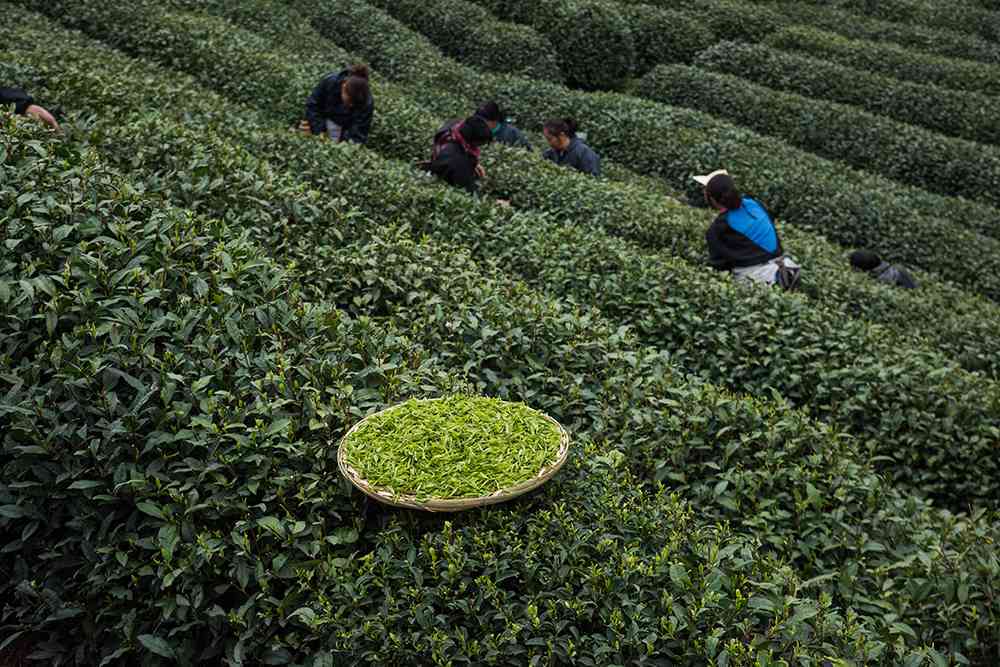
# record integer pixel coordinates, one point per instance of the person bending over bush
(24, 105)
(742, 238)
(866, 260)
(342, 106)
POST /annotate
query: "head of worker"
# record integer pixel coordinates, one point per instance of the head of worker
(865, 260)
(559, 132)
(491, 113)
(720, 190)
(475, 131)
(354, 90)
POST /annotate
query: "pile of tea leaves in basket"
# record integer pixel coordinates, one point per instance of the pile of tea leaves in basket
(454, 447)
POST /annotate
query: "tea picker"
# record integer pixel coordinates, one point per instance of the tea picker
(341, 106)
(24, 105)
(742, 238)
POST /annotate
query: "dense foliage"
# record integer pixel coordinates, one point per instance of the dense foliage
(883, 146)
(955, 113)
(196, 304)
(891, 60)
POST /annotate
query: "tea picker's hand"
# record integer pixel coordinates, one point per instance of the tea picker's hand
(43, 115)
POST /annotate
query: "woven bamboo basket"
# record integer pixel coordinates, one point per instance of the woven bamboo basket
(451, 504)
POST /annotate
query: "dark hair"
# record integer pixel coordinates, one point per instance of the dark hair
(722, 190)
(491, 112)
(865, 260)
(557, 126)
(476, 131)
(357, 84)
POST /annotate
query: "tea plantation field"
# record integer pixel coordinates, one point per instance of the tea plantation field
(197, 303)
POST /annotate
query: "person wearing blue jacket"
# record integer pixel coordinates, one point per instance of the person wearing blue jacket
(341, 106)
(742, 238)
(567, 149)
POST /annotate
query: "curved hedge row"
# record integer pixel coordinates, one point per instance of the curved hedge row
(935, 40)
(805, 477)
(960, 17)
(955, 113)
(966, 333)
(594, 42)
(664, 36)
(753, 22)
(957, 17)
(728, 19)
(891, 60)
(836, 131)
(852, 208)
(470, 34)
(675, 325)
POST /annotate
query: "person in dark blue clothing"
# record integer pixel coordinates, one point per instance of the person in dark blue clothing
(565, 148)
(866, 260)
(742, 238)
(341, 106)
(24, 105)
(503, 131)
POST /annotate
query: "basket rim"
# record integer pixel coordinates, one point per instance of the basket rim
(449, 504)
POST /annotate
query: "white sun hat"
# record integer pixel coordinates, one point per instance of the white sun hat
(705, 179)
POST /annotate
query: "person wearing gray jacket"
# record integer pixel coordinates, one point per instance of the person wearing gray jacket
(866, 260)
(567, 149)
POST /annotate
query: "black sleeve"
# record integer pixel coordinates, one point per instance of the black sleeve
(16, 96)
(463, 175)
(456, 168)
(316, 102)
(718, 255)
(358, 132)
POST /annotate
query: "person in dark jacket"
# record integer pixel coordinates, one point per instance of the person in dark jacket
(24, 105)
(503, 131)
(568, 149)
(742, 238)
(866, 260)
(341, 105)
(455, 158)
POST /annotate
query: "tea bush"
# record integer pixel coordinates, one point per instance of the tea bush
(966, 333)
(936, 40)
(850, 207)
(470, 34)
(955, 113)
(595, 45)
(867, 141)
(891, 60)
(744, 375)
(963, 17)
(586, 570)
(666, 325)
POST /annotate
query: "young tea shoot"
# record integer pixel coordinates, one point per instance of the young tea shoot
(454, 447)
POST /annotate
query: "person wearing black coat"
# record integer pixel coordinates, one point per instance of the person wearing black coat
(342, 106)
(455, 158)
(24, 105)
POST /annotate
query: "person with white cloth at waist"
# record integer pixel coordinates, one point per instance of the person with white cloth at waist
(742, 238)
